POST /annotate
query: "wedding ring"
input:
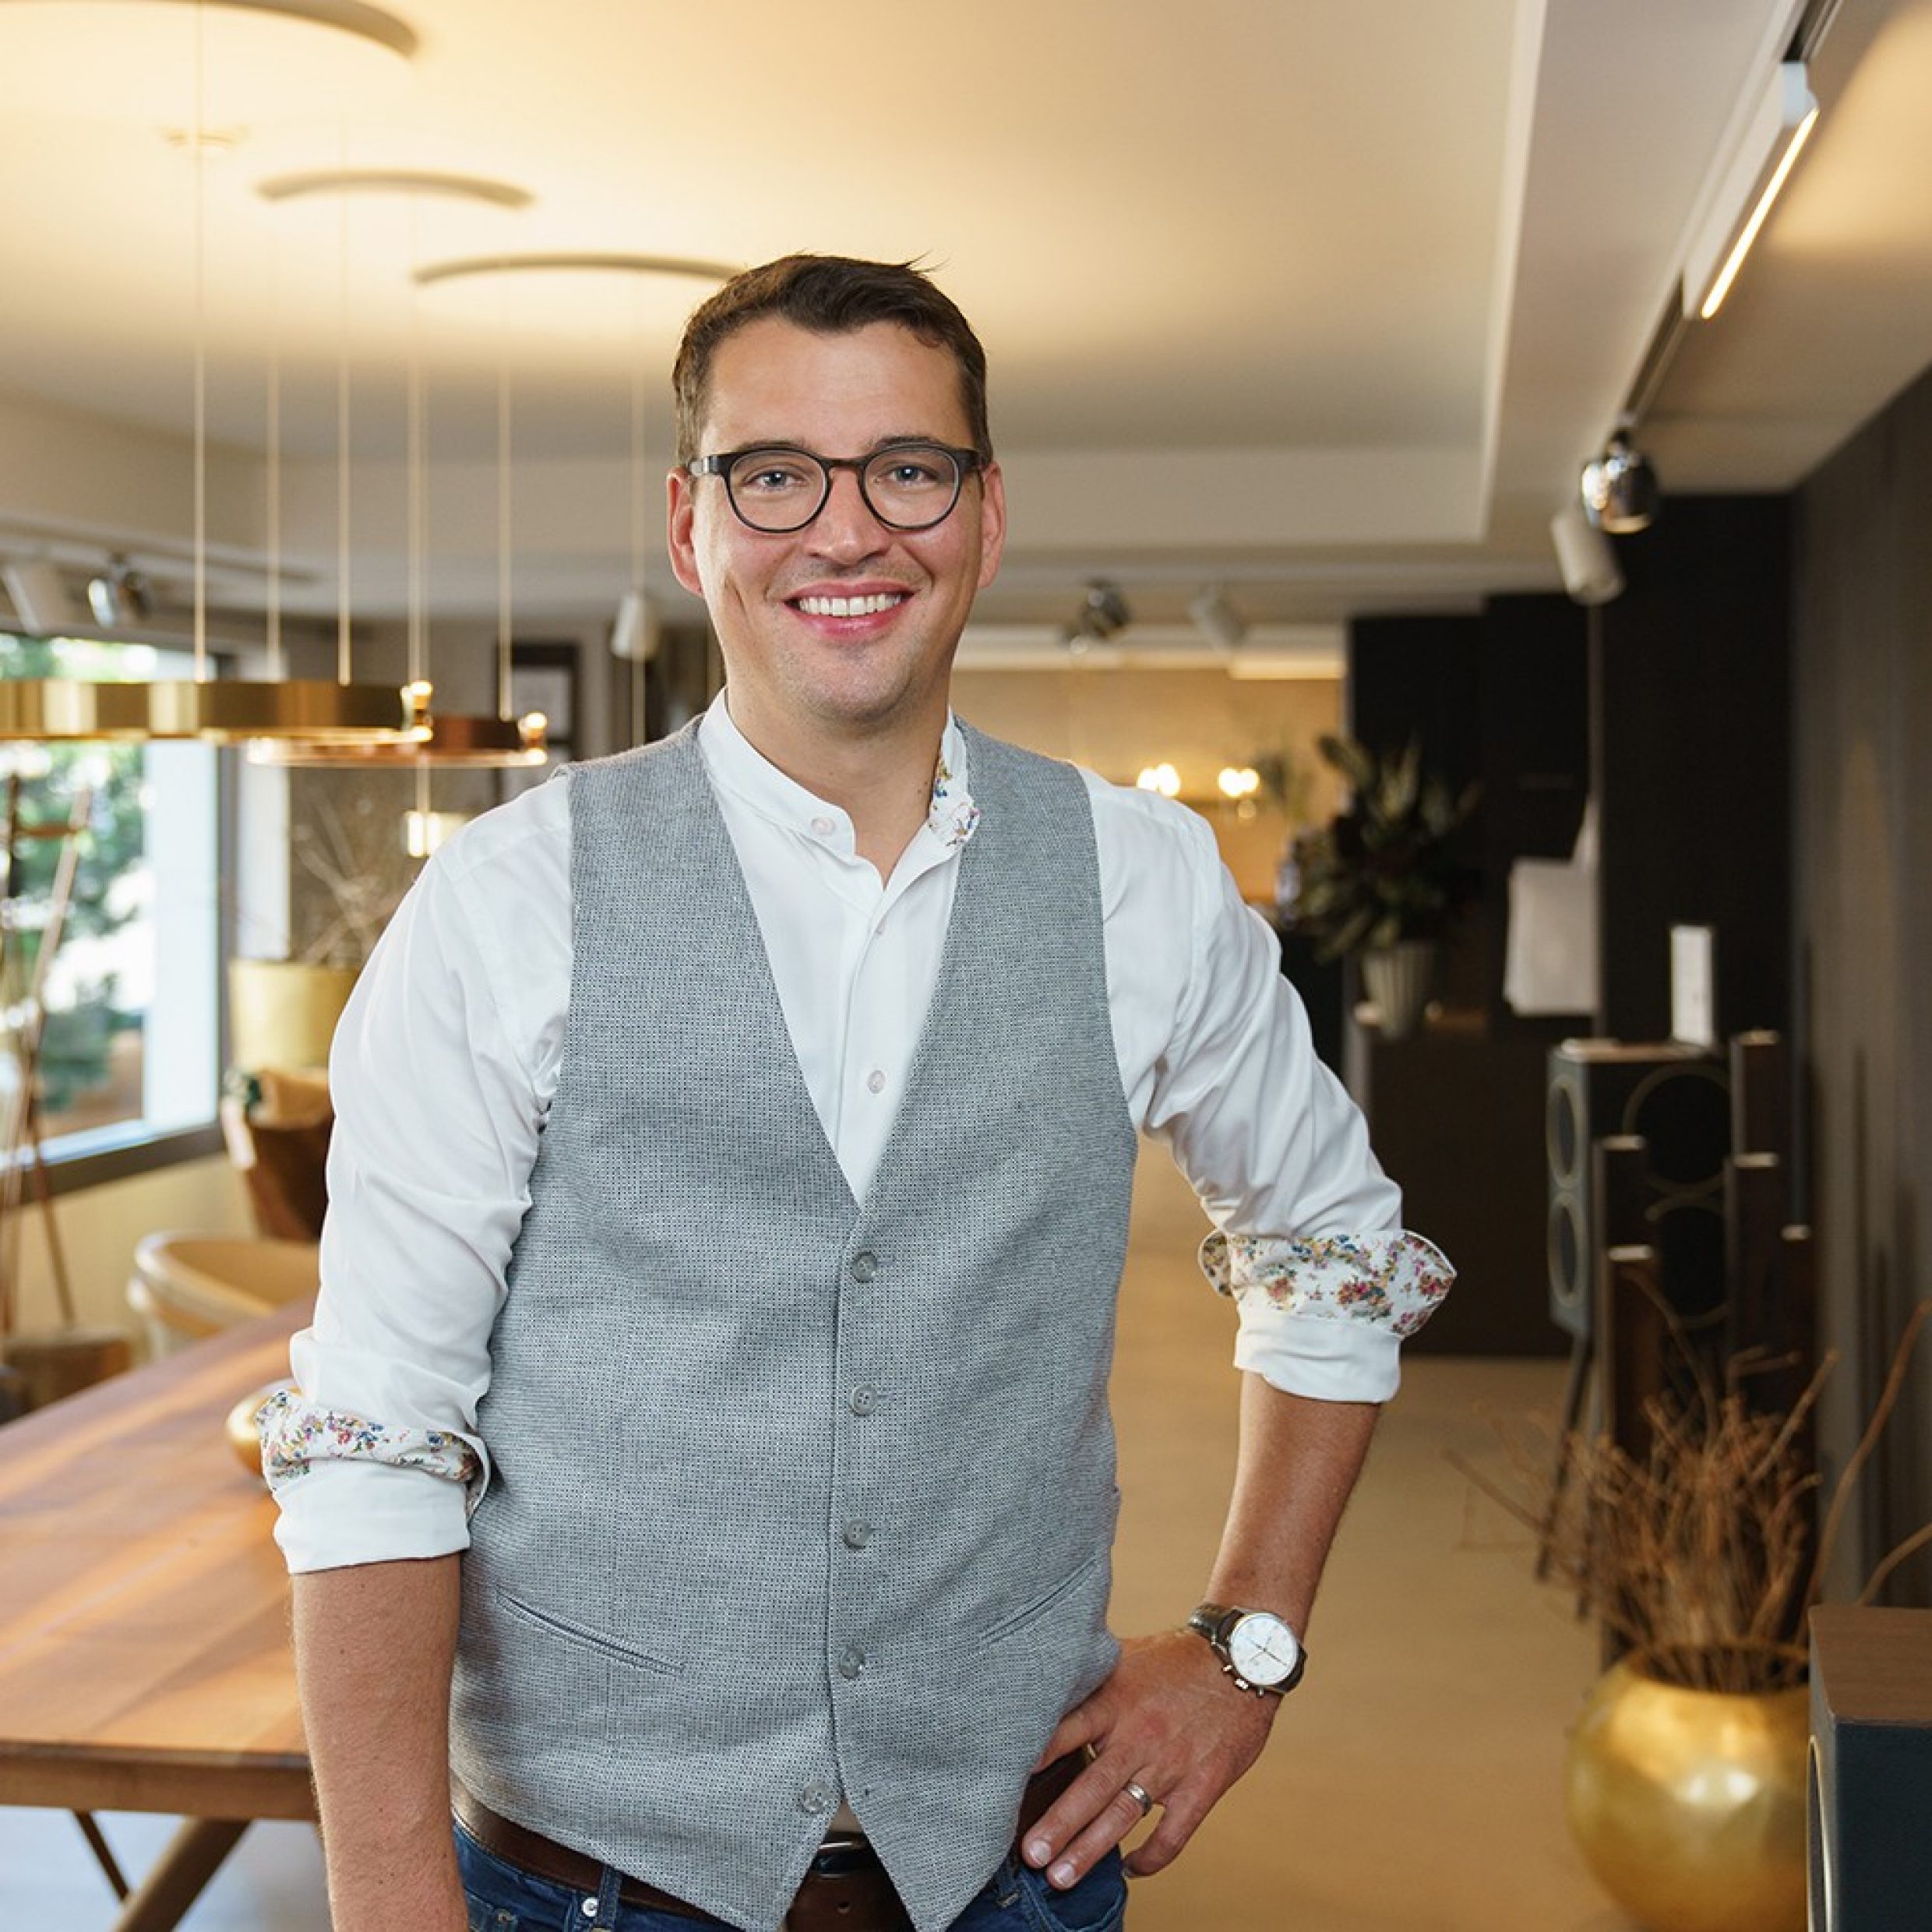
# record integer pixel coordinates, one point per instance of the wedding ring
(1139, 1796)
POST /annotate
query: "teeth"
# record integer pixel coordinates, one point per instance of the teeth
(850, 606)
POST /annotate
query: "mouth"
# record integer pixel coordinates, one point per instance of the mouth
(873, 604)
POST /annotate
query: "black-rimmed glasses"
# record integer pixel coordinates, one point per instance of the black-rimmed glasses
(776, 489)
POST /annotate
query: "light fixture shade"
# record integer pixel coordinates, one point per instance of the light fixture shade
(218, 710)
(1618, 488)
(134, 62)
(1585, 557)
(1217, 619)
(41, 600)
(452, 742)
(634, 634)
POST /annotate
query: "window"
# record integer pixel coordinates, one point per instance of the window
(128, 1000)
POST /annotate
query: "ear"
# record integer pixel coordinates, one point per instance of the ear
(681, 508)
(992, 523)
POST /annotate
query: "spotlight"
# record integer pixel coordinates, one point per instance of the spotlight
(1103, 614)
(1216, 619)
(1585, 556)
(119, 595)
(1619, 488)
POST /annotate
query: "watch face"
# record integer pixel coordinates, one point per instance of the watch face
(1263, 1648)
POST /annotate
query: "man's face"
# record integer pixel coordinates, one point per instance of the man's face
(791, 664)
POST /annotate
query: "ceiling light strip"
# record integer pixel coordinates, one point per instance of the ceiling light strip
(1735, 211)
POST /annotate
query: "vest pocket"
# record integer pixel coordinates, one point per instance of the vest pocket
(572, 1632)
(1040, 1606)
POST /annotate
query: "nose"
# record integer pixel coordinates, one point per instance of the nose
(845, 528)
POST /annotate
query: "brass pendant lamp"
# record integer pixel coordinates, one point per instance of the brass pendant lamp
(454, 741)
(213, 709)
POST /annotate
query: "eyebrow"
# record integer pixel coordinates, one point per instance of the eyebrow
(913, 439)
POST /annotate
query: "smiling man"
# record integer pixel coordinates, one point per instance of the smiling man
(701, 1471)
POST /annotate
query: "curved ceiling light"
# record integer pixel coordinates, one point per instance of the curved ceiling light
(262, 60)
(414, 183)
(596, 295)
(216, 711)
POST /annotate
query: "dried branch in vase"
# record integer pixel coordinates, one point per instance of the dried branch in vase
(1699, 1555)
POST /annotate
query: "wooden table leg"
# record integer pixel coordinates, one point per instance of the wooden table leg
(193, 1857)
(103, 1851)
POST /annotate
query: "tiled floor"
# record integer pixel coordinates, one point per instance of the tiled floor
(1413, 1783)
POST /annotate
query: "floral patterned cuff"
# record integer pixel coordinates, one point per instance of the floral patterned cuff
(296, 1433)
(1393, 1281)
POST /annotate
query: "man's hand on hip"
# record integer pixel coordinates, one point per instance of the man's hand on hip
(1168, 1721)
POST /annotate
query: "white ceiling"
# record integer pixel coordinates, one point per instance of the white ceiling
(1320, 300)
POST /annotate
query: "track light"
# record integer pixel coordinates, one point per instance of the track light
(119, 595)
(1618, 488)
(1217, 619)
(1103, 613)
(1585, 556)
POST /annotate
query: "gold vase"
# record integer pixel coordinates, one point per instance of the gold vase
(1689, 1806)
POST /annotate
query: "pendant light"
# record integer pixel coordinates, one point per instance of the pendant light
(219, 710)
(455, 741)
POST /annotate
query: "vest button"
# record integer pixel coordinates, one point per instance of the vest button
(816, 1798)
(851, 1663)
(857, 1535)
(865, 1265)
(863, 1400)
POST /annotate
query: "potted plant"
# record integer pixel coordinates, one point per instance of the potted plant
(1700, 1553)
(1383, 881)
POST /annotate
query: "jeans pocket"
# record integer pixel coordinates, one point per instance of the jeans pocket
(1099, 1903)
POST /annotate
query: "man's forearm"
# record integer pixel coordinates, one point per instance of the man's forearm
(1298, 1463)
(374, 1648)
(1167, 1722)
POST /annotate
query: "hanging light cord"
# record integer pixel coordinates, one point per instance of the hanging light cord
(201, 362)
(344, 660)
(504, 699)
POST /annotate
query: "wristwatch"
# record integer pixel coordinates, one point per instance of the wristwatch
(1256, 1647)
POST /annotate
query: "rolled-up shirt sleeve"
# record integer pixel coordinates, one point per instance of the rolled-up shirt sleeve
(1308, 1238)
(440, 1080)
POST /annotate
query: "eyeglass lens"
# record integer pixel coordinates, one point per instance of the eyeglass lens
(908, 487)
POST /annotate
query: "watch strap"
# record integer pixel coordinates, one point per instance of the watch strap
(1215, 1622)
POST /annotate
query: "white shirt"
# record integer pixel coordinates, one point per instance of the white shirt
(445, 1063)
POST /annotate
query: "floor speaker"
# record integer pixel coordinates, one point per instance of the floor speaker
(1677, 1100)
(1869, 1855)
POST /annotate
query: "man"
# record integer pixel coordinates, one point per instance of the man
(728, 1200)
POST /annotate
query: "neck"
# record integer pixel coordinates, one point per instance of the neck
(880, 776)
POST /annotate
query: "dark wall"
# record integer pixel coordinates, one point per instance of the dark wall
(1692, 716)
(1863, 663)
(1456, 1109)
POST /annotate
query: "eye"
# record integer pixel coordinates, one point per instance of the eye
(769, 473)
(912, 469)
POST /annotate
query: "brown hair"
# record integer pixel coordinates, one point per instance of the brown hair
(831, 295)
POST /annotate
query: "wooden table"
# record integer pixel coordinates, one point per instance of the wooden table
(144, 1654)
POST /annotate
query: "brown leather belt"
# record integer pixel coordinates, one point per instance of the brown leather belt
(845, 1887)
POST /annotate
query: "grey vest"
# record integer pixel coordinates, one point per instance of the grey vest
(797, 1497)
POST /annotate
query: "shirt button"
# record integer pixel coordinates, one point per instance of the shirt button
(865, 1265)
(851, 1663)
(857, 1535)
(875, 1082)
(863, 1400)
(816, 1798)
(825, 827)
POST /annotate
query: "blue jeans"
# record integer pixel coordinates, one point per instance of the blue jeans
(504, 1897)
